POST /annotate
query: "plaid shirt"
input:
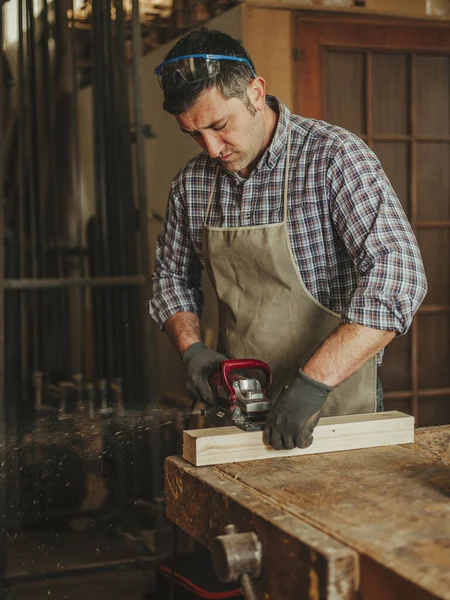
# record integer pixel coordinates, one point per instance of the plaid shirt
(351, 240)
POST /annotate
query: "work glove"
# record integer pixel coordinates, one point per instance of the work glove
(295, 413)
(200, 362)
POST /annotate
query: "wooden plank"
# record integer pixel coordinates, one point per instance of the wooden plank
(298, 560)
(409, 9)
(272, 54)
(220, 445)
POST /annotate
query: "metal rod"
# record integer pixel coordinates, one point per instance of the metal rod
(126, 241)
(34, 284)
(21, 191)
(114, 192)
(413, 218)
(148, 355)
(3, 469)
(107, 183)
(32, 175)
(247, 588)
(83, 296)
(52, 104)
(97, 265)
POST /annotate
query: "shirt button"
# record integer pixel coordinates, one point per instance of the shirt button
(247, 216)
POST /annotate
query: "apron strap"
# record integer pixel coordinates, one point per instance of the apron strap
(286, 174)
(211, 195)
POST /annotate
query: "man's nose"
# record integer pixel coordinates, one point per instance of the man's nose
(213, 144)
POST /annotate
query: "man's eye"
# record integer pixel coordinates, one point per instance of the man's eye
(221, 127)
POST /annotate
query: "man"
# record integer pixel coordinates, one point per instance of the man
(312, 258)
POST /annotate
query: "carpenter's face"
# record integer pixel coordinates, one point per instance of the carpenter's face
(226, 129)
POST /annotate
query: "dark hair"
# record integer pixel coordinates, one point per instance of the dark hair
(231, 81)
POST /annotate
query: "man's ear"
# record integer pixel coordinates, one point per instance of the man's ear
(257, 93)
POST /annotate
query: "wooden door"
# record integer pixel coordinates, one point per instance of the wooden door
(389, 83)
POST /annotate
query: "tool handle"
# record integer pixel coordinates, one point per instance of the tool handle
(227, 366)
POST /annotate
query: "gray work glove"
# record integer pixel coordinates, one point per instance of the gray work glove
(295, 413)
(200, 362)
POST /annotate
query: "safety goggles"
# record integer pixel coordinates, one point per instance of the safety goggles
(192, 68)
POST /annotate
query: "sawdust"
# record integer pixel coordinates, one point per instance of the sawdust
(433, 442)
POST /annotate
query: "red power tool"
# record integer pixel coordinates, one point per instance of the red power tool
(241, 388)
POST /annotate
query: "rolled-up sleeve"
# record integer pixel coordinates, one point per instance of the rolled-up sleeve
(375, 231)
(176, 279)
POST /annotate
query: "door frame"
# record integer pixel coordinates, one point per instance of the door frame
(313, 34)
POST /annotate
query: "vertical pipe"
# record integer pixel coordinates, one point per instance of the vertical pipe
(413, 218)
(41, 168)
(3, 471)
(107, 187)
(114, 192)
(148, 354)
(102, 214)
(32, 175)
(125, 200)
(21, 192)
(83, 299)
(96, 233)
(49, 83)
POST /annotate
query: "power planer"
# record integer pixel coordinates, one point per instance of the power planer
(241, 389)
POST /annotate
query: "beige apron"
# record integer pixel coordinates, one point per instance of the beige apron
(266, 312)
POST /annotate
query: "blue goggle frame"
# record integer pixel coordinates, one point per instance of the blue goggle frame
(187, 74)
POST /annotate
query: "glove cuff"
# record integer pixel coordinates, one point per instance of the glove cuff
(317, 385)
(193, 349)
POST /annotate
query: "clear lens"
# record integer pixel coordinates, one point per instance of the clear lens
(190, 70)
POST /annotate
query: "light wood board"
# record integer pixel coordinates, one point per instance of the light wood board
(221, 445)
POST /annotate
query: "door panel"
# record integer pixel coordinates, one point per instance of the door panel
(388, 82)
(432, 89)
(345, 92)
(390, 94)
(433, 181)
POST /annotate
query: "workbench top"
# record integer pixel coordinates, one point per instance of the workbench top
(373, 521)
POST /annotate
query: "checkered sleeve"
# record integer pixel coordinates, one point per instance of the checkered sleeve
(176, 279)
(375, 231)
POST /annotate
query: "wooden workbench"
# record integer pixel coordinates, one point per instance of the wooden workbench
(370, 524)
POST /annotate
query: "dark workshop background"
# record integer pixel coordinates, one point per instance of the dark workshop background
(91, 394)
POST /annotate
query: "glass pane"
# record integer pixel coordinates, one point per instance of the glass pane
(345, 90)
(390, 94)
(434, 351)
(395, 372)
(435, 247)
(432, 95)
(394, 157)
(433, 181)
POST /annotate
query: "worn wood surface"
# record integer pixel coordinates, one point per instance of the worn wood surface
(219, 445)
(391, 505)
(299, 560)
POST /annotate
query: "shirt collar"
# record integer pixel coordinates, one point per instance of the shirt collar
(277, 147)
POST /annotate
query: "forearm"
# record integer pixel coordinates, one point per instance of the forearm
(184, 330)
(344, 352)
